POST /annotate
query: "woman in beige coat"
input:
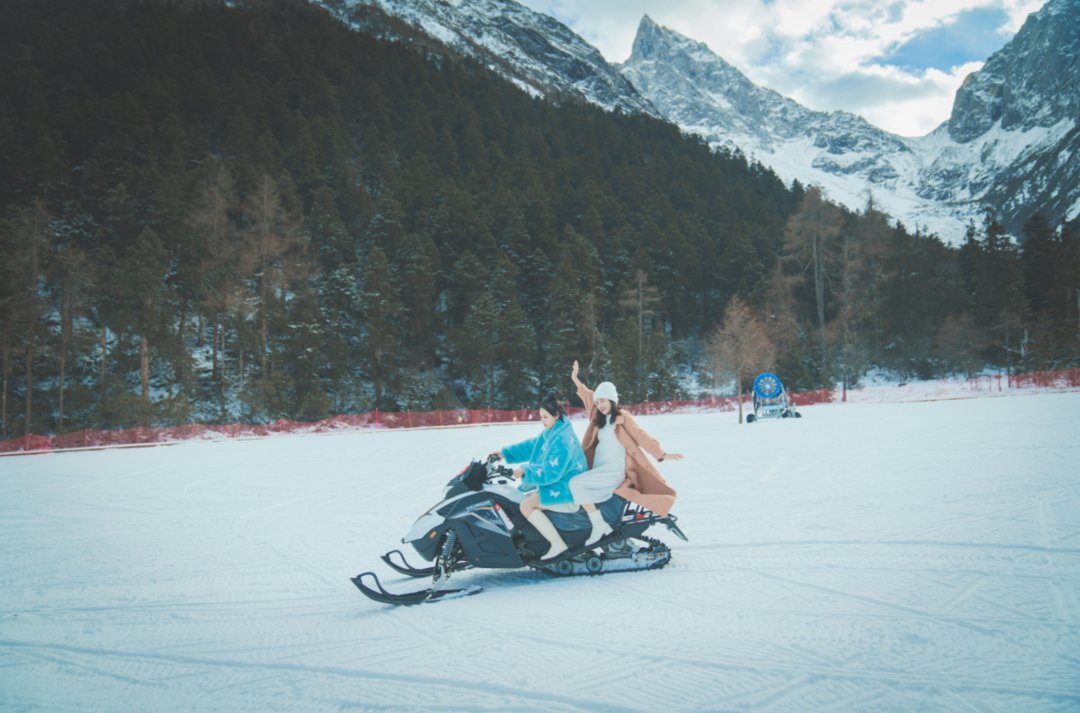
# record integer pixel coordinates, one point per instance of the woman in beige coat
(615, 447)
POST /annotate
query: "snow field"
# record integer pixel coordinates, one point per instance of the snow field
(867, 557)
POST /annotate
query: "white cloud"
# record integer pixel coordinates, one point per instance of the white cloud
(807, 49)
(905, 103)
(1017, 11)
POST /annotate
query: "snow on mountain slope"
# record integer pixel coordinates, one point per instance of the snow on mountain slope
(868, 556)
(939, 183)
(1008, 144)
(535, 51)
(1014, 125)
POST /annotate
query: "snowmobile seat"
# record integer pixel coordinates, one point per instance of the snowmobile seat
(611, 509)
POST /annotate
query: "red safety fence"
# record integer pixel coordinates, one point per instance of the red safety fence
(94, 438)
(1046, 379)
(809, 398)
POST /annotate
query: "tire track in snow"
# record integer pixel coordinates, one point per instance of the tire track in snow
(1065, 602)
(885, 543)
(976, 621)
(275, 669)
(700, 671)
(242, 528)
(960, 595)
(971, 705)
(902, 608)
(1044, 518)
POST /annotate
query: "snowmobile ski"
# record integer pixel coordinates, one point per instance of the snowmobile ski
(420, 596)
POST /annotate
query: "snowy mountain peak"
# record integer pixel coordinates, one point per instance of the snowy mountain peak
(1032, 81)
(705, 95)
(533, 50)
(652, 38)
(1008, 146)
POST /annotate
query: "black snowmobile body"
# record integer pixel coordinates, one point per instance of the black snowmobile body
(479, 524)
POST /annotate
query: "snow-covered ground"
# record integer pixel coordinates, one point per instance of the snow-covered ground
(871, 556)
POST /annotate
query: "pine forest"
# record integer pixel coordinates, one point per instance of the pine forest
(248, 211)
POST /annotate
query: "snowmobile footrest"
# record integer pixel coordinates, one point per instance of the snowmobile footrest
(403, 567)
(418, 597)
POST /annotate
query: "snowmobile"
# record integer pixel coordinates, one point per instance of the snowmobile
(478, 524)
(771, 399)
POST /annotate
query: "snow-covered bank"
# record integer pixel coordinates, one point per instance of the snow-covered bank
(869, 556)
(887, 390)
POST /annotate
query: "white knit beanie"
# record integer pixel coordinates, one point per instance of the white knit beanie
(606, 390)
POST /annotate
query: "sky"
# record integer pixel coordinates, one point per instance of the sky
(896, 63)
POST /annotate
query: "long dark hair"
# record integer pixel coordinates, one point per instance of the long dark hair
(552, 405)
(601, 420)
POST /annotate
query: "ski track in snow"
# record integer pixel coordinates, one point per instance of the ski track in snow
(867, 557)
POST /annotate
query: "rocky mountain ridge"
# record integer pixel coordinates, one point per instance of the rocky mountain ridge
(1008, 145)
(534, 51)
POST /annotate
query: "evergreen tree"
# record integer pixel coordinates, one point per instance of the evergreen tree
(856, 328)
(210, 268)
(273, 254)
(266, 178)
(381, 346)
(475, 350)
(146, 265)
(305, 365)
(1040, 254)
(564, 335)
(73, 279)
(999, 301)
(1048, 276)
(24, 240)
(812, 241)
(514, 346)
(639, 346)
(419, 268)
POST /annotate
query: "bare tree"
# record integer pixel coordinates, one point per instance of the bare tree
(23, 243)
(740, 348)
(590, 315)
(148, 282)
(215, 264)
(811, 239)
(9, 311)
(274, 250)
(640, 299)
(858, 293)
(73, 274)
(218, 275)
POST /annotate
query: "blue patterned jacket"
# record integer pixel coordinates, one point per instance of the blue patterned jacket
(550, 460)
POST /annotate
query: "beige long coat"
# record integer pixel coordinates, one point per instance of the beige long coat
(643, 484)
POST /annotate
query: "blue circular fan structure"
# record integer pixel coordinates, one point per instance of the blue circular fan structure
(767, 385)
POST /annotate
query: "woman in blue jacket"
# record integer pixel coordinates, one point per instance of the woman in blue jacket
(548, 462)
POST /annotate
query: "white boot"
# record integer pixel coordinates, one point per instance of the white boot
(599, 528)
(540, 521)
